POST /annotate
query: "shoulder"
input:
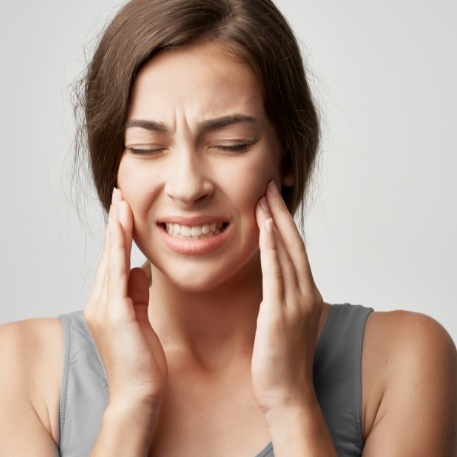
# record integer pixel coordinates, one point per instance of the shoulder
(31, 354)
(403, 331)
(400, 337)
(410, 383)
(23, 343)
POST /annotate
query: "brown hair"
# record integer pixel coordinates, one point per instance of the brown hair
(254, 30)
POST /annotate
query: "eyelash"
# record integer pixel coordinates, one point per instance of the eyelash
(240, 147)
(139, 151)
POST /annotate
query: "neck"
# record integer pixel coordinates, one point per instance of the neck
(213, 326)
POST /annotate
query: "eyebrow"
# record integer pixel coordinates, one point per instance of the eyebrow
(147, 125)
(221, 122)
(210, 124)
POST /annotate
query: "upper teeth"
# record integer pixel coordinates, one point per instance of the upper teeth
(195, 231)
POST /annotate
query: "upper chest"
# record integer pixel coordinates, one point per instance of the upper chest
(212, 415)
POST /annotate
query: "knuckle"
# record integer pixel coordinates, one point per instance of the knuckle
(276, 319)
(318, 297)
(115, 270)
(297, 243)
(276, 272)
(288, 261)
(112, 270)
(308, 298)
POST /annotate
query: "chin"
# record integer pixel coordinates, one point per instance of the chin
(195, 277)
(194, 281)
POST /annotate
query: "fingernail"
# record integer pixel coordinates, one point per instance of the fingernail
(114, 209)
(273, 188)
(115, 196)
(264, 204)
(269, 225)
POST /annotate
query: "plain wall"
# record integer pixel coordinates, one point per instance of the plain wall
(381, 229)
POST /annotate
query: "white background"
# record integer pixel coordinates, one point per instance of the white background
(382, 228)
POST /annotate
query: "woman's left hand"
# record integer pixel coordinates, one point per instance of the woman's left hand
(289, 314)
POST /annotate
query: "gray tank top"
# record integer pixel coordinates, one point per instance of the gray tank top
(337, 382)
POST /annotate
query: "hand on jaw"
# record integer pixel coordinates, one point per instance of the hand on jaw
(289, 314)
(117, 316)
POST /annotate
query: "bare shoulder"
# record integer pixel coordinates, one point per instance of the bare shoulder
(410, 386)
(31, 354)
(405, 334)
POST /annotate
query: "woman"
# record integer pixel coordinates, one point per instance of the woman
(202, 136)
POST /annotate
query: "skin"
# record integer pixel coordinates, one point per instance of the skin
(235, 326)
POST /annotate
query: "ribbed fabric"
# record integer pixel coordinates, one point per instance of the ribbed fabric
(337, 382)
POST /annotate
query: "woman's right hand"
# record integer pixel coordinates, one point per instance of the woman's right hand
(117, 316)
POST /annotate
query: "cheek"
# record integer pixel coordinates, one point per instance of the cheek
(138, 185)
(246, 188)
(252, 181)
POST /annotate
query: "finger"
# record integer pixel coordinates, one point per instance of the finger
(262, 212)
(100, 274)
(126, 220)
(117, 196)
(117, 267)
(289, 274)
(272, 278)
(290, 235)
(125, 217)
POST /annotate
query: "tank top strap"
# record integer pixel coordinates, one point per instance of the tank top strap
(338, 376)
(84, 393)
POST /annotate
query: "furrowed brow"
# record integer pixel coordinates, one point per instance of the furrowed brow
(147, 125)
(221, 122)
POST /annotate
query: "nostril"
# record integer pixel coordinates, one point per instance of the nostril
(189, 186)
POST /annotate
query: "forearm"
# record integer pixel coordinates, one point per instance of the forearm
(126, 431)
(300, 430)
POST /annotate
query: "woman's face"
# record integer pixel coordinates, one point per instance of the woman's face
(199, 151)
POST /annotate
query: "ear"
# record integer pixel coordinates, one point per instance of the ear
(288, 178)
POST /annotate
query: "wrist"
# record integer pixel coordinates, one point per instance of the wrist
(135, 398)
(299, 428)
(292, 409)
(279, 400)
(127, 428)
(132, 411)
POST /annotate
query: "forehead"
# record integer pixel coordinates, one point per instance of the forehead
(202, 80)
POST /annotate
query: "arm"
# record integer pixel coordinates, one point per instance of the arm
(30, 361)
(286, 335)
(411, 363)
(117, 315)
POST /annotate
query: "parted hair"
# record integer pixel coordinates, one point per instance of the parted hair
(253, 30)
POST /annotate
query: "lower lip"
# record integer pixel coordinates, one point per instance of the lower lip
(194, 246)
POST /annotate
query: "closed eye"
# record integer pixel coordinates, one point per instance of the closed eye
(236, 147)
(144, 151)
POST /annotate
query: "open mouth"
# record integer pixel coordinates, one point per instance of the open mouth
(196, 232)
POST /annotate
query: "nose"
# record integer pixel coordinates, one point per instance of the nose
(188, 181)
